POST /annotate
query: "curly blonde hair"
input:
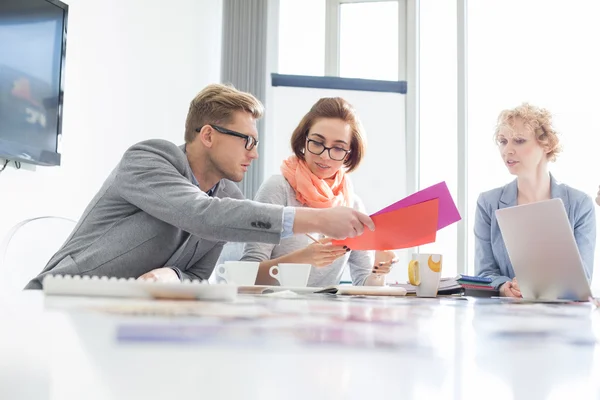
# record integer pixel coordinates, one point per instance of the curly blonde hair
(539, 120)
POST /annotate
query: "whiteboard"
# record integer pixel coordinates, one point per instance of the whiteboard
(381, 177)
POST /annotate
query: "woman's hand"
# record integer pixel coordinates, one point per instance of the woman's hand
(321, 254)
(510, 289)
(384, 259)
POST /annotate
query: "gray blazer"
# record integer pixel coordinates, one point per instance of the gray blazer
(491, 257)
(149, 214)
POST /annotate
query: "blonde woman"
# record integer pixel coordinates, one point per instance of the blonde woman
(527, 143)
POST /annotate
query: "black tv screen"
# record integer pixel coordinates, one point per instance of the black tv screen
(32, 53)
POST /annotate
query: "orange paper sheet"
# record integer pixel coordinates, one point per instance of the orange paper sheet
(399, 229)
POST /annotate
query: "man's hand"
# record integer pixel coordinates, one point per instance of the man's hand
(510, 289)
(337, 222)
(164, 274)
(343, 222)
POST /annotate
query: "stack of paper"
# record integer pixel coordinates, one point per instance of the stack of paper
(475, 282)
(477, 286)
(447, 286)
(410, 222)
(462, 284)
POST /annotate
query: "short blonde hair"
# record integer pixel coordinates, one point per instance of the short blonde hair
(539, 120)
(215, 104)
(338, 108)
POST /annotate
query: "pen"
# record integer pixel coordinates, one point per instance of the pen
(312, 238)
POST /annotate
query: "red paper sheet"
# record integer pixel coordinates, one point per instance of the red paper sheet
(399, 229)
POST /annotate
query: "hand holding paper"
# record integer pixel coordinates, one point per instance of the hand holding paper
(410, 222)
(334, 222)
(399, 229)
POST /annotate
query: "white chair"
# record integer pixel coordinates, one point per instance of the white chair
(27, 248)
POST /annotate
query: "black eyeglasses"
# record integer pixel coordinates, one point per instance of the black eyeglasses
(251, 142)
(335, 153)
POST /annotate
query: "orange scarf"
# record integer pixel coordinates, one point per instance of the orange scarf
(314, 191)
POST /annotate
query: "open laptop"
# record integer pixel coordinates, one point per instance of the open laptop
(542, 249)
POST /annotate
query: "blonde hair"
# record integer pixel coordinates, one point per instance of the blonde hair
(216, 104)
(539, 120)
(338, 108)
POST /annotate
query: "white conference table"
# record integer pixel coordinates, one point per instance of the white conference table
(306, 347)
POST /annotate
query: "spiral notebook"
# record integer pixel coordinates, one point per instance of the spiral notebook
(67, 285)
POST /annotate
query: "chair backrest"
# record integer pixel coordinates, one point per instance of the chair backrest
(27, 248)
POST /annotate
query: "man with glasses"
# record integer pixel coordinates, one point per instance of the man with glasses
(166, 211)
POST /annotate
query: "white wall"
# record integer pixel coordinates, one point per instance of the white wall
(132, 68)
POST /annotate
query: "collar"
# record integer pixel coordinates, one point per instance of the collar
(509, 193)
(194, 180)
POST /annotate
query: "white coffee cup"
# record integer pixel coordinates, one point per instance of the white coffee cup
(292, 275)
(428, 271)
(241, 273)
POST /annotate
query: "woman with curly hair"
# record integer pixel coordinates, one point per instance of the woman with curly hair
(527, 142)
